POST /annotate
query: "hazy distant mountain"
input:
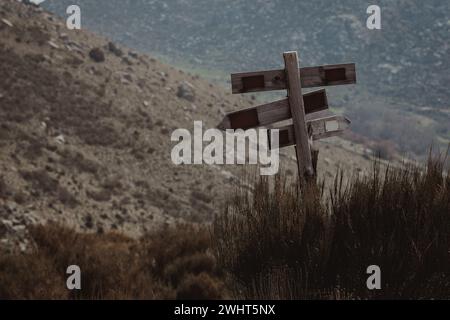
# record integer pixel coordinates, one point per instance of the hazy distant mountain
(405, 66)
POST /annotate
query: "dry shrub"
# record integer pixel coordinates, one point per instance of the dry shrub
(111, 268)
(294, 243)
(113, 183)
(98, 134)
(67, 198)
(4, 190)
(200, 287)
(174, 263)
(33, 148)
(36, 35)
(102, 195)
(41, 180)
(384, 149)
(108, 262)
(20, 197)
(30, 276)
(180, 255)
(201, 196)
(75, 159)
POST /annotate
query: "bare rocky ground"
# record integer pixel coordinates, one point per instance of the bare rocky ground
(85, 130)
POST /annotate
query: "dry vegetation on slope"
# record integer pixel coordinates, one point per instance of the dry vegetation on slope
(275, 244)
(175, 263)
(85, 133)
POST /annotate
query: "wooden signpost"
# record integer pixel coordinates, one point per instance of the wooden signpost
(306, 111)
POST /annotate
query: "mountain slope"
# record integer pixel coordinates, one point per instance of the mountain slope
(87, 143)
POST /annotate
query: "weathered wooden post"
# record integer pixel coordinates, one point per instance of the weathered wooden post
(294, 89)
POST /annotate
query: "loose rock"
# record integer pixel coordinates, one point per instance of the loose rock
(7, 22)
(186, 91)
(53, 45)
(60, 139)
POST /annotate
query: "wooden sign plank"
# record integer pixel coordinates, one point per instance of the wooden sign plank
(295, 97)
(318, 129)
(327, 75)
(328, 127)
(318, 115)
(269, 113)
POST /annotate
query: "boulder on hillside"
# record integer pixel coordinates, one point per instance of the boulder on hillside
(186, 91)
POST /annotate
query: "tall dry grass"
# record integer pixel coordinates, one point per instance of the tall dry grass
(288, 242)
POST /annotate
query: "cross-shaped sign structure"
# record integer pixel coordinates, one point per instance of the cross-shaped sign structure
(308, 123)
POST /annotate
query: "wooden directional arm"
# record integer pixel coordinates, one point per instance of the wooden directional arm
(318, 128)
(273, 112)
(327, 75)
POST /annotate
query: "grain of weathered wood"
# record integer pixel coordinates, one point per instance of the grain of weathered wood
(327, 75)
(317, 128)
(270, 113)
(295, 97)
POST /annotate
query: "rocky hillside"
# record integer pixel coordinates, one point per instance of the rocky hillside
(85, 131)
(402, 69)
